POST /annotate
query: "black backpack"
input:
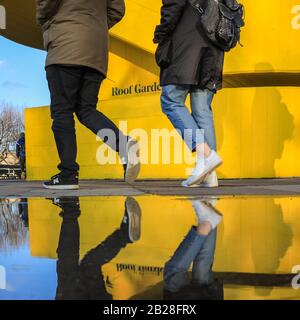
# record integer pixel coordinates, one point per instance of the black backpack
(221, 21)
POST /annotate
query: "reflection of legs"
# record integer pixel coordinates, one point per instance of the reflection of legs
(202, 113)
(202, 267)
(107, 250)
(68, 254)
(129, 232)
(23, 211)
(87, 112)
(91, 276)
(176, 270)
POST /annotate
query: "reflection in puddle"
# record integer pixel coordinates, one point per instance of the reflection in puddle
(13, 224)
(150, 247)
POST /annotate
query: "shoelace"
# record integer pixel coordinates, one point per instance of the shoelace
(55, 177)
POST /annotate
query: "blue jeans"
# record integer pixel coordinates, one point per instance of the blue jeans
(197, 250)
(173, 105)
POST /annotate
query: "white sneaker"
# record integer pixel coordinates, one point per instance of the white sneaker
(133, 165)
(133, 213)
(212, 162)
(210, 181)
(207, 213)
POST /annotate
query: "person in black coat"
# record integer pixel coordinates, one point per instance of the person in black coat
(190, 64)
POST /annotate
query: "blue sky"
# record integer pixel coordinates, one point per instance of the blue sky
(22, 75)
(28, 277)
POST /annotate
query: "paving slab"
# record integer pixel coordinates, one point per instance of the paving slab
(284, 187)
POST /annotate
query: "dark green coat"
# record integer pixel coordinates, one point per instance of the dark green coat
(76, 31)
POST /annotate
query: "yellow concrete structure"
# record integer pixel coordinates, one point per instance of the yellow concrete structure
(257, 115)
(257, 235)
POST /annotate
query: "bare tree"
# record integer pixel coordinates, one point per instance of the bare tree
(13, 233)
(11, 125)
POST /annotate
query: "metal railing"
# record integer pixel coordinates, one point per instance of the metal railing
(8, 172)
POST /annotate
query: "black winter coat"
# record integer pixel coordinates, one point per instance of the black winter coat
(194, 60)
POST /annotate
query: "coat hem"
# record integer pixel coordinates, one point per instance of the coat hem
(65, 63)
(208, 86)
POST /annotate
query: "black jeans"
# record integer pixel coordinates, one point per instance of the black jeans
(84, 280)
(75, 90)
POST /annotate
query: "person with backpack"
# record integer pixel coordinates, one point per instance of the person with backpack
(191, 64)
(21, 154)
(76, 40)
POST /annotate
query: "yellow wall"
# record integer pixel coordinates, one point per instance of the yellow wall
(258, 132)
(267, 38)
(257, 235)
(257, 127)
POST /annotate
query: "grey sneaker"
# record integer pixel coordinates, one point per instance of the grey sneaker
(133, 164)
(211, 163)
(133, 214)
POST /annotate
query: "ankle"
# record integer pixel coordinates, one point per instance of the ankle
(204, 228)
(203, 150)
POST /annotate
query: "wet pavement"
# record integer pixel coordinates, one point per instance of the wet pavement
(150, 247)
(29, 189)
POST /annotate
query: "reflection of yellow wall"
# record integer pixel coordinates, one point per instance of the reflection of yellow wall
(257, 128)
(258, 235)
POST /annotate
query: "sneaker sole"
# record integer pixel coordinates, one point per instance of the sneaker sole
(70, 187)
(133, 209)
(132, 173)
(202, 185)
(201, 178)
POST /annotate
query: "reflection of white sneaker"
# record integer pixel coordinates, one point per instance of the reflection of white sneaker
(133, 213)
(212, 202)
(210, 181)
(207, 213)
(212, 162)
